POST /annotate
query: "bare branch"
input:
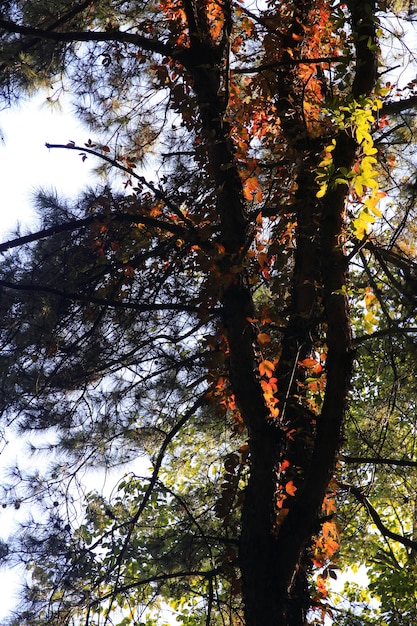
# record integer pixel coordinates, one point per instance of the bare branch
(378, 461)
(115, 163)
(386, 532)
(288, 63)
(399, 106)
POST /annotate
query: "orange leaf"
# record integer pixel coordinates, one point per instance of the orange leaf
(290, 433)
(264, 338)
(290, 488)
(308, 363)
(284, 465)
(263, 259)
(250, 187)
(312, 364)
(266, 368)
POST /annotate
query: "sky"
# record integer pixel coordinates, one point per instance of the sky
(27, 165)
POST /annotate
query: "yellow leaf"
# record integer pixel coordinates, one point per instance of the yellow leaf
(358, 186)
(322, 191)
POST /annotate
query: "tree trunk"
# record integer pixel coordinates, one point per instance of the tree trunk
(274, 556)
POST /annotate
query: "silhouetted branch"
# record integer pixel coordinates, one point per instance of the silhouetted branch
(115, 163)
(76, 297)
(152, 482)
(384, 332)
(152, 45)
(398, 106)
(100, 218)
(378, 461)
(386, 532)
(157, 578)
(288, 63)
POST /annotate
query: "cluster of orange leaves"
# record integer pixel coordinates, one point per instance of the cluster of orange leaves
(327, 543)
(176, 15)
(315, 382)
(269, 382)
(214, 17)
(319, 41)
(227, 400)
(286, 489)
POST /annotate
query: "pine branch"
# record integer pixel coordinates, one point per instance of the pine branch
(151, 45)
(115, 163)
(288, 63)
(201, 400)
(90, 299)
(100, 218)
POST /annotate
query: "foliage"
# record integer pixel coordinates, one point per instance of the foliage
(233, 306)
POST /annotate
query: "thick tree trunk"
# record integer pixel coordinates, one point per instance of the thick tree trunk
(274, 557)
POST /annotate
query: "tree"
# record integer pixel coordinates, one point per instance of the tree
(223, 306)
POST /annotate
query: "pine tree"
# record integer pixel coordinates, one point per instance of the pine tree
(227, 314)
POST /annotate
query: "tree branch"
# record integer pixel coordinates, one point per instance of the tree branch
(378, 461)
(288, 63)
(115, 163)
(154, 579)
(386, 532)
(152, 482)
(89, 299)
(398, 106)
(151, 45)
(384, 332)
(101, 218)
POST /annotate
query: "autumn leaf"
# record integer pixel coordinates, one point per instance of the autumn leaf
(290, 488)
(284, 465)
(263, 338)
(312, 365)
(266, 368)
(251, 189)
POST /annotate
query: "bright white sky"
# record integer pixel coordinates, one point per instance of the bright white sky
(26, 165)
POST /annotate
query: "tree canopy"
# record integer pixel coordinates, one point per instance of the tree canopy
(220, 336)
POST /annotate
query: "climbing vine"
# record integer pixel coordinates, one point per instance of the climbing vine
(356, 119)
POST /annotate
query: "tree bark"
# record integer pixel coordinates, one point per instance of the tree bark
(274, 558)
